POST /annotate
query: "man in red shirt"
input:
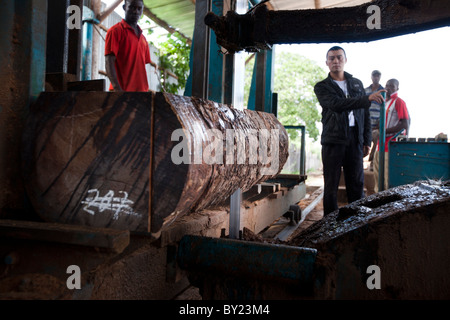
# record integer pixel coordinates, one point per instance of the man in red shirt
(127, 51)
(397, 119)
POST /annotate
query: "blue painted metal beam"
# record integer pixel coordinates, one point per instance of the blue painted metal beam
(244, 258)
(217, 81)
(216, 62)
(261, 90)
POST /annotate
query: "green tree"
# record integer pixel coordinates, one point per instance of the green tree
(174, 57)
(295, 77)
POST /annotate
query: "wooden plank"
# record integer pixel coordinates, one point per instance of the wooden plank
(89, 85)
(254, 191)
(113, 240)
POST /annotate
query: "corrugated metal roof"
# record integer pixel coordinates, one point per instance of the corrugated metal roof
(180, 14)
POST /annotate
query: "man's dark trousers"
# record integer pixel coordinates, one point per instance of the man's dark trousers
(350, 157)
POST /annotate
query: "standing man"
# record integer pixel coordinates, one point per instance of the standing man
(346, 135)
(127, 51)
(374, 111)
(397, 119)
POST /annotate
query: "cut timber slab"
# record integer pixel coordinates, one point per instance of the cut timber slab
(113, 240)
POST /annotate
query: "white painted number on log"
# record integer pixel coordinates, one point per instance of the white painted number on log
(374, 281)
(74, 281)
(117, 205)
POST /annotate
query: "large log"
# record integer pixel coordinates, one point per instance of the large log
(138, 161)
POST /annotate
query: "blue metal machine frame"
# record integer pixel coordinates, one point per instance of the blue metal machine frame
(413, 161)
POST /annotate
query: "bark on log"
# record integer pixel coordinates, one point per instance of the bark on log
(88, 157)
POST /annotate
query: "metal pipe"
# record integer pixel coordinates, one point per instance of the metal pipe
(96, 7)
(87, 51)
(303, 152)
(89, 21)
(382, 142)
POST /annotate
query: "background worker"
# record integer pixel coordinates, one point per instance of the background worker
(374, 111)
(397, 119)
(127, 51)
(346, 135)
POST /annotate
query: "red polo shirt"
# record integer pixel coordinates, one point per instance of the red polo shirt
(132, 54)
(396, 110)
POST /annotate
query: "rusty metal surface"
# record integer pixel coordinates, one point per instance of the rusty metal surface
(375, 208)
(403, 231)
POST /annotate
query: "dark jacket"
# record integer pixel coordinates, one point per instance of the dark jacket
(336, 107)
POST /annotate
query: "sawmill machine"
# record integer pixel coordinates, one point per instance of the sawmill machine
(117, 185)
(390, 245)
(111, 181)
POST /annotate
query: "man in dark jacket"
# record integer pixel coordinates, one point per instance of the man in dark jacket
(346, 134)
